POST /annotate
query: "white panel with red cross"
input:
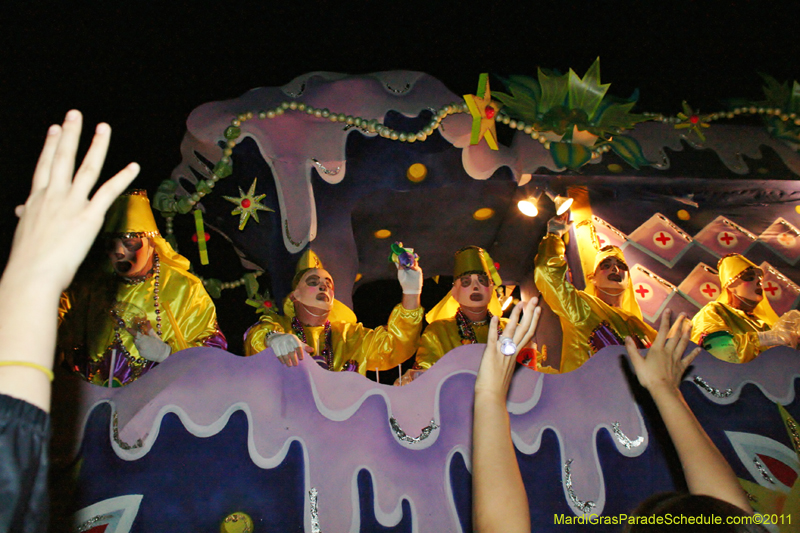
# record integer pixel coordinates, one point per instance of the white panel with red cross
(607, 234)
(661, 239)
(784, 239)
(651, 291)
(701, 286)
(722, 237)
(781, 292)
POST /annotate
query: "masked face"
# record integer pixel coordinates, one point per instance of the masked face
(611, 275)
(131, 257)
(748, 286)
(473, 290)
(315, 289)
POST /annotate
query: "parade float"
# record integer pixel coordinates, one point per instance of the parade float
(348, 165)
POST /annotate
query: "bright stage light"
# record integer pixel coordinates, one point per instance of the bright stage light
(528, 207)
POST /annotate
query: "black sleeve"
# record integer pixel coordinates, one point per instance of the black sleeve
(24, 436)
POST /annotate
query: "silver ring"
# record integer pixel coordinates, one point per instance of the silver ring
(507, 346)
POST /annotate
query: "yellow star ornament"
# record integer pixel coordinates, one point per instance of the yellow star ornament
(247, 204)
(483, 112)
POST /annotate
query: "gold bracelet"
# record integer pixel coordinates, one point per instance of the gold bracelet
(47, 372)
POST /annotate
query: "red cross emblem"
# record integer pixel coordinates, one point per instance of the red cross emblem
(786, 239)
(643, 291)
(727, 240)
(710, 290)
(602, 239)
(663, 240)
(771, 288)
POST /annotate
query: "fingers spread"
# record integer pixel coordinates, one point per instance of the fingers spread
(89, 170)
(64, 159)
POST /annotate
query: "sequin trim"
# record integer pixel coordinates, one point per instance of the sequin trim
(583, 506)
(288, 236)
(89, 524)
(402, 435)
(312, 499)
(325, 170)
(762, 470)
(122, 444)
(790, 423)
(401, 90)
(624, 440)
(711, 390)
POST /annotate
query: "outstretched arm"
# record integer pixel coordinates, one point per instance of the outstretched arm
(660, 372)
(499, 501)
(56, 229)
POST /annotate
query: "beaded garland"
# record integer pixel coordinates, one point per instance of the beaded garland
(465, 330)
(325, 360)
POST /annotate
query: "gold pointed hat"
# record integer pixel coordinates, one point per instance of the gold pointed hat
(731, 267)
(130, 216)
(629, 303)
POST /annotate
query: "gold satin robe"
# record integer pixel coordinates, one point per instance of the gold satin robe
(87, 330)
(580, 314)
(381, 348)
(717, 316)
(441, 336)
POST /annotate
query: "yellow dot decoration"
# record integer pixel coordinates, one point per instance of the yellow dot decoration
(683, 214)
(237, 522)
(484, 213)
(417, 172)
(797, 209)
(383, 234)
(358, 277)
(615, 168)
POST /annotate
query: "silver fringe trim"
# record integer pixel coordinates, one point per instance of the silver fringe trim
(121, 443)
(288, 235)
(89, 524)
(312, 496)
(399, 91)
(711, 390)
(624, 440)
(426, 431)
(582, 506)
(762, 470)
(324, 170)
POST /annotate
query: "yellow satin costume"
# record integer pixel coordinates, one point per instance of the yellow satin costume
(584, 316)
(720, 316)
(381, 348)
(441, 336)
(90, 337)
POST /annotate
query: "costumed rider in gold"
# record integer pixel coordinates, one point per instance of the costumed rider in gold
(142, 307)
(603, 314)
(741, 324)
(462, 317)
(315, 322)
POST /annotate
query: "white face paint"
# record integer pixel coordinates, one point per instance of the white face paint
(473, 290)
(315, 289)
(748, 286)
(130, 257)
(611, 275)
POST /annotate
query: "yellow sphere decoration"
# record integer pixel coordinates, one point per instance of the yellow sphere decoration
(797, 209)
(383, 234)
(417, 172)
(615, 168)
(237, 522)
(484, 213)
(683, 214)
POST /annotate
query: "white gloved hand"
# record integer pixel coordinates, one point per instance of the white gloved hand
(788, 327)
(558, 225)
(288, 348)
(773, 337)
(151, 347)
(410, 279)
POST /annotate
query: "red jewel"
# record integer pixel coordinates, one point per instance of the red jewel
(267, 304)
(497, 266)
(489, 112)
(694, 119)
(207, 237)
(245, 203)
